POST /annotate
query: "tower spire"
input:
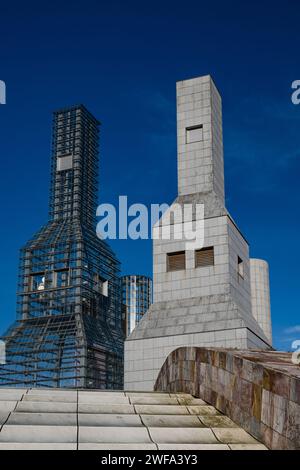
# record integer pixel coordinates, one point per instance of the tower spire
(74, 168)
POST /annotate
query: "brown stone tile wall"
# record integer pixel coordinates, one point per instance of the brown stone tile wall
(259, 390)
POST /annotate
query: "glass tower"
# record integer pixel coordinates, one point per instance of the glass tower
(68, 331)
(136, 300)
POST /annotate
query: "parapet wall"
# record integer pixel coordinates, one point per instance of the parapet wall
(258, 390)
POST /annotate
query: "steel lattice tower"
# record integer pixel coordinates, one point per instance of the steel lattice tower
(68, 331)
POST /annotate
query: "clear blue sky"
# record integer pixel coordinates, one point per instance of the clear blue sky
(122, 59)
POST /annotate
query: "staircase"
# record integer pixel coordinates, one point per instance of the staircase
(109, 420)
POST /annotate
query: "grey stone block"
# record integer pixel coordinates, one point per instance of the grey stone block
(109, 420)
(181, 395)
(60, 398)
(215, 421)
(37, 446)
(153, 401)
(32, 434)
(113, 435)
(102, 393)
(43, 419)
(171, 421)
(202, 410)
(161, 409)
(46, 407)
(193, 447)
(233, 436)
(247, 447)
(7, 406)
(183, 435)
(3, 417)
(105, 409)
(148, 394)
(10, 395)
(111, 446)
(51, 391)
(101, 399)
(191, 401)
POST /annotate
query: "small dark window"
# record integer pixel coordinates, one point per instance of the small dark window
(176, 261)
(204, 257)
(240, 268)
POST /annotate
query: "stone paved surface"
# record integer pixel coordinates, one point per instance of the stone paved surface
(96, 420)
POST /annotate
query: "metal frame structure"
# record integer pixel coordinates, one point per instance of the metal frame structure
(68, 331)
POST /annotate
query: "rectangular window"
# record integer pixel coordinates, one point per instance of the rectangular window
(204, 257)
(65, 162)
(61, 278)
(37, 281)
(240, 268)
(194, 134)
(176, 261)
(40, 281)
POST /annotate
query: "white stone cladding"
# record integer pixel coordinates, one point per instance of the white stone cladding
(200, 164)
(260, 295)
(196, 306)
(145, 357)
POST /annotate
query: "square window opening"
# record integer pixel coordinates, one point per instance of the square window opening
(194, 134)
(176, 261)
(65, 162)
(204, 257)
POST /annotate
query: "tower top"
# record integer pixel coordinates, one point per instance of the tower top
(77, 107)
(74, 170)
(199, 137)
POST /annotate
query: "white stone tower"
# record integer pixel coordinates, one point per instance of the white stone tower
(260, 295)
(201, 297)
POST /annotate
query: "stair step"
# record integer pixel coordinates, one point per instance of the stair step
(93, 419)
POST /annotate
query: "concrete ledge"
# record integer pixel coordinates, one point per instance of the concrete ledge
(259, 390)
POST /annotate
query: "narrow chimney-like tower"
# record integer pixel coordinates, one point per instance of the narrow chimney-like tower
(202, 297)
(68, 331)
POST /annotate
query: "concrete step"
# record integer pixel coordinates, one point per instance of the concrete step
(70, 419)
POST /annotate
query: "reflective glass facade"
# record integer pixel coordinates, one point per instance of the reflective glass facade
(136, 299)
(68, 331)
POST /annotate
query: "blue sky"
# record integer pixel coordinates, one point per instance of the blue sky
(122, 59)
